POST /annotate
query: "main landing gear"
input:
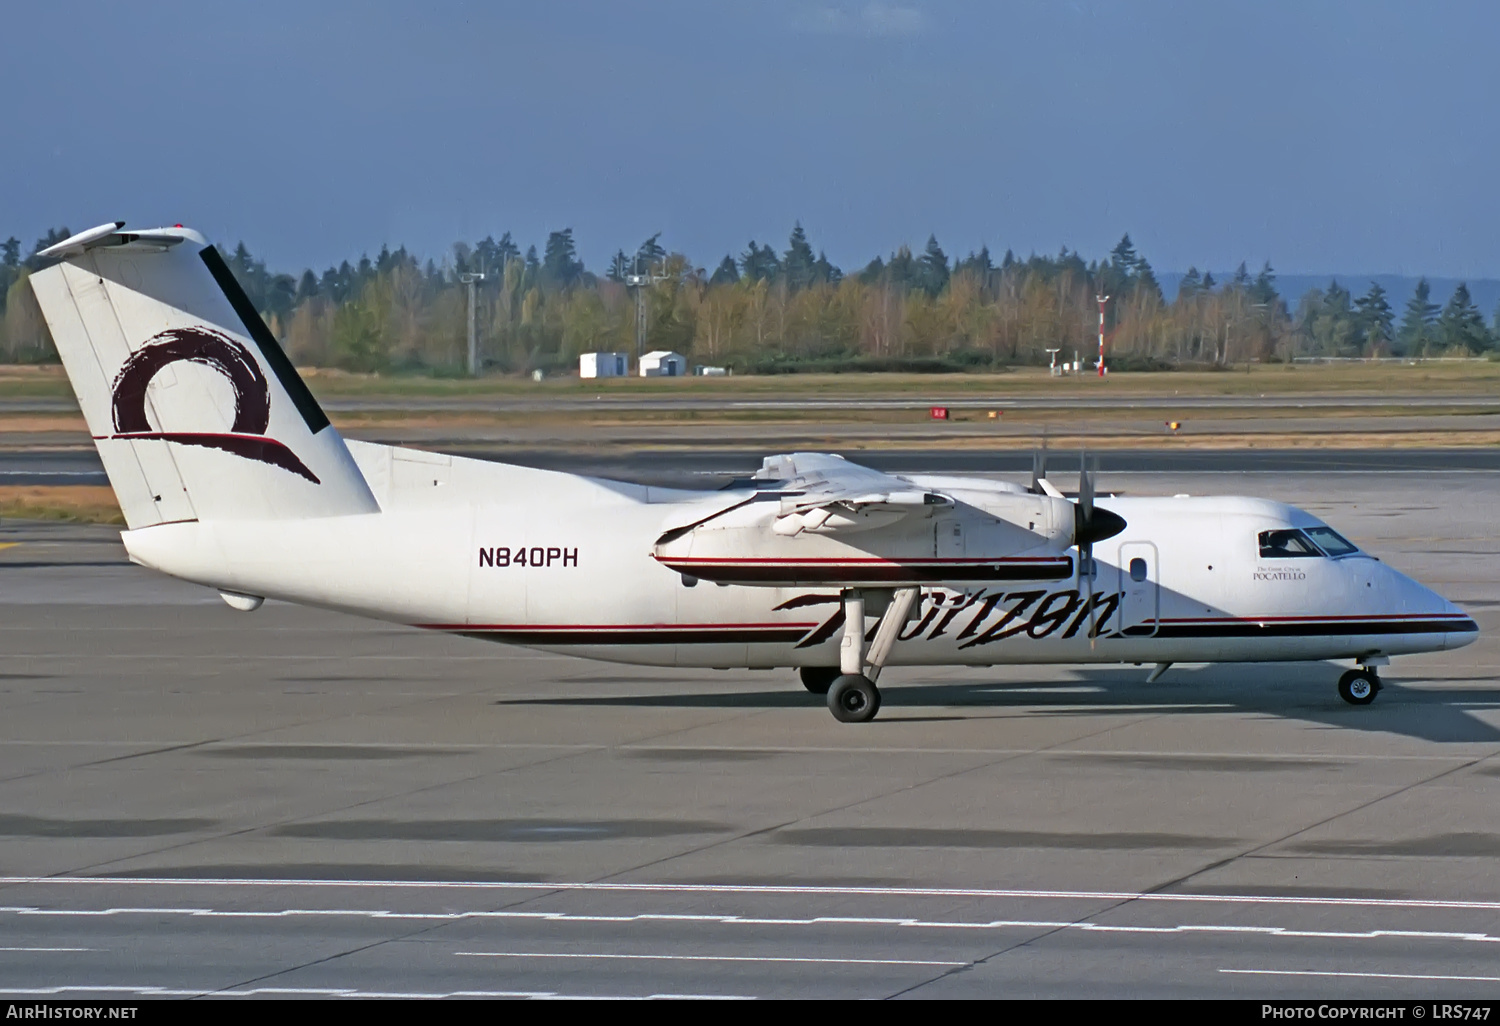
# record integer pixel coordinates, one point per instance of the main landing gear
(818, 679)
(1359, 686)
(852, 694)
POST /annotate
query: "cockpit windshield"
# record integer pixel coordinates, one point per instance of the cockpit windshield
(1294, 544)
(1288, 544)
(1331, 542)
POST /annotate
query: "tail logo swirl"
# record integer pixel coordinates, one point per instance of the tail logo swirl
(252, 397)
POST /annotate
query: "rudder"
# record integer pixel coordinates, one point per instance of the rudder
(195, 409)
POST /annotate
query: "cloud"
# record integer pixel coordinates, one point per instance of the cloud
(871, 19)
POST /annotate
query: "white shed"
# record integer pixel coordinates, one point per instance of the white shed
(661, 364)
(603, 365)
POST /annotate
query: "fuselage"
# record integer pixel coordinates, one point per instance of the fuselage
(565, 563)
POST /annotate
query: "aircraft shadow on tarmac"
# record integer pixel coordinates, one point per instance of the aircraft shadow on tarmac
(1302, 691)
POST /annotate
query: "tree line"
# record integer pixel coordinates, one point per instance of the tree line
(769, 310)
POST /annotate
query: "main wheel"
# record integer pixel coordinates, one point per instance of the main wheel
(818, 679)
(853, 698)
(1359, 687)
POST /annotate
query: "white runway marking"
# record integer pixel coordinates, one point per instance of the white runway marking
(706, 958)
(1362, 976)
(49, 949)
(755, 890)
(1279, 932)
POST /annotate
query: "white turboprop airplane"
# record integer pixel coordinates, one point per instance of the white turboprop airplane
(229, 475)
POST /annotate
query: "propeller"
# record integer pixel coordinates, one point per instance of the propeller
(1091, 524)
(1039, 467)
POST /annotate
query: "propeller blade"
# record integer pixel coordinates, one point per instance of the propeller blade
(1039, 466)
(1085, 488)
(1086, 553)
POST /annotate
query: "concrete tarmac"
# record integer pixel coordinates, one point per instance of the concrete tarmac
(199, 801)
(555, 402)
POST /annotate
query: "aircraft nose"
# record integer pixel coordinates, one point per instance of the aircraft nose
(1430, 612)
(1459, 627)
(1463, 630)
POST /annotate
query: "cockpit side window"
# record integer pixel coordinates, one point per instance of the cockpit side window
(1288, 544)
(1331, 542)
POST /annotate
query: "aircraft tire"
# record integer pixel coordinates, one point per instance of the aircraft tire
(1359, 687)
(853, 698)
(818, 679)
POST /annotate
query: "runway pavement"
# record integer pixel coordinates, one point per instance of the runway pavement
(200, 801)
(565, 402)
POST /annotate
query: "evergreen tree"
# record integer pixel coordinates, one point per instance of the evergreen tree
(759, 263)
(979, 264)
(506, 250)
(533, 265)
(797, 263)
(876, 268)
(10, 268)
(1190, 285)
(1263, 289)
(1208, 282)
(1008, 261)
(1461, 326)
(650, 252)
(307, 287)
(824, 271)
(933, 275)
(903, 271)
(492, 255)
(1241, 278)
(1377, 323)
(561, 267)
(1416, 324)
(1146, 282)
(1122, 273)
(726, 273)
(1124, 259)
(619, 267)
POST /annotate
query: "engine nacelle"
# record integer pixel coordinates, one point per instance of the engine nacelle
(770, 542)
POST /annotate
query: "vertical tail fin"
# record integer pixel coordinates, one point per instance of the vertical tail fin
(195, 409)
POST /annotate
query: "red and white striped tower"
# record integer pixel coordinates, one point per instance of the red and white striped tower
(1102, 301)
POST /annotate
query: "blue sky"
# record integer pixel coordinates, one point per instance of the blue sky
(1327, 137)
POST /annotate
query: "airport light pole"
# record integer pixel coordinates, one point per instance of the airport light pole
(640, 282)
(470, 279)
(1102, 300)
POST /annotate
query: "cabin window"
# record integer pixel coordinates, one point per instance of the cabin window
(1291, 544)
(1331, 542)
(1138, 569)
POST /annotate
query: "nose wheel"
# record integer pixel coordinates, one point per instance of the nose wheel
(1359, 687)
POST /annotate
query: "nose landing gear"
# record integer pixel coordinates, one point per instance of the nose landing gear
(1359, 686)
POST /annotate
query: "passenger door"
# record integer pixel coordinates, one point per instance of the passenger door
(1140, 592)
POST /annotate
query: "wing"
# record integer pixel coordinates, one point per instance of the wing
(825, 494)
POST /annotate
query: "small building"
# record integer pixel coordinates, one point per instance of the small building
(710, 372)
(603, 365)
(661, 364)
